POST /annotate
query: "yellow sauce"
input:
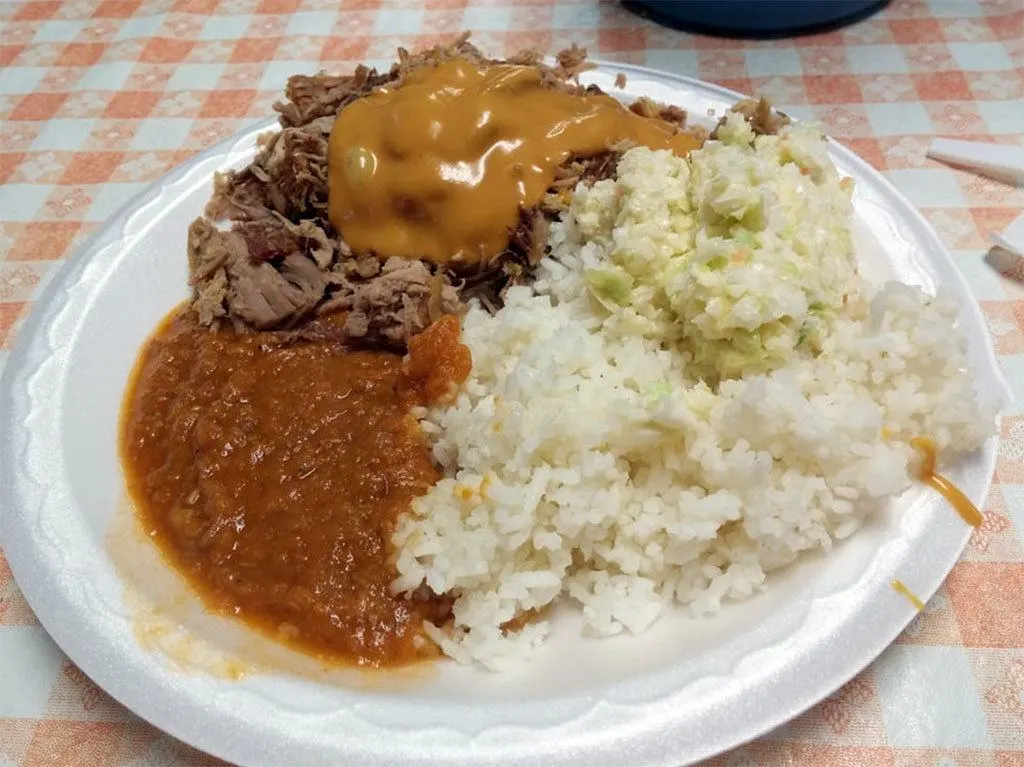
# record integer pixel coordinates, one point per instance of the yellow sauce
(901, 587)
(438, 166)
(953, 494)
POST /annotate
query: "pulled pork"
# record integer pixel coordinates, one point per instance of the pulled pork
(280, 262)
(252, 279)
(764, 120)
(264, 277)
(288, 176)
(393, 302)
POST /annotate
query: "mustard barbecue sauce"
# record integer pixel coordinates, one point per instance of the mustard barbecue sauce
(953, 494)
(901, 587)
(438, 166)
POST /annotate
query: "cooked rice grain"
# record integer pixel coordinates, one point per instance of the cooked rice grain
(585, 461)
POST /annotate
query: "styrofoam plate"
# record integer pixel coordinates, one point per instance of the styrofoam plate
(684, 690)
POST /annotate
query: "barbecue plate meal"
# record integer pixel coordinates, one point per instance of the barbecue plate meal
(468, 340)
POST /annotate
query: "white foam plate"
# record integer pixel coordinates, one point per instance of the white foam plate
(685, 690)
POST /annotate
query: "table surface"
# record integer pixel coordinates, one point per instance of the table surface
(98, 98)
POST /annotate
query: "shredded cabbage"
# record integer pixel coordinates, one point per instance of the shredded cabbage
(610, 286)
(739, 254)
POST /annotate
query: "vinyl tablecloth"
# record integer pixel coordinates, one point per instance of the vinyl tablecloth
(98, 98)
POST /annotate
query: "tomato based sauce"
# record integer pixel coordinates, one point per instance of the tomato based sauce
(271, 474)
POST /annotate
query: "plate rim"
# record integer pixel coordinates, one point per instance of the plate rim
(32, 582)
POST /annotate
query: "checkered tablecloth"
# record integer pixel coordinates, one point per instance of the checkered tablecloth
(98, 98)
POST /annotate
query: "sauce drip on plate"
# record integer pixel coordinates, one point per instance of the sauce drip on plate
(901, 587)
(953, 494)
(438, 166)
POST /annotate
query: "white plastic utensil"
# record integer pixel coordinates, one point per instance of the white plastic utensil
(1012, 237)
(1002, 162)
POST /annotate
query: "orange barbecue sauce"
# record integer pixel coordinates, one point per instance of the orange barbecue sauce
(438, 166)
(953, 494)
(271, 474)
(437, 360)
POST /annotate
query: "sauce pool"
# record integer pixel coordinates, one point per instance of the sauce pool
(271, 475)
(438, 166)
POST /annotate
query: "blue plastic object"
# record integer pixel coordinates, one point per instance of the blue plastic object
(770, 18)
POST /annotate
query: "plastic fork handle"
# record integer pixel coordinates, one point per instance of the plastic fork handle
(1002, 162)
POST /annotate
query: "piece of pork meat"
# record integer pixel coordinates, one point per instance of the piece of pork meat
(764, 120)
(311, 97)
(275, 237)
(527, 244)
(651, 109)
(265, 277)
(230, 281)
(288, 176)
(403, 299)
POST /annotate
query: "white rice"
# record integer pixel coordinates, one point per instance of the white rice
(587, 460)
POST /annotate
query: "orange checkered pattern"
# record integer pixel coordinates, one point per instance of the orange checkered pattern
(98, 98)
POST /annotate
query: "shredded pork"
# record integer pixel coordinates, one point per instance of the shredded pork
(764, 120)
(276, 260)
